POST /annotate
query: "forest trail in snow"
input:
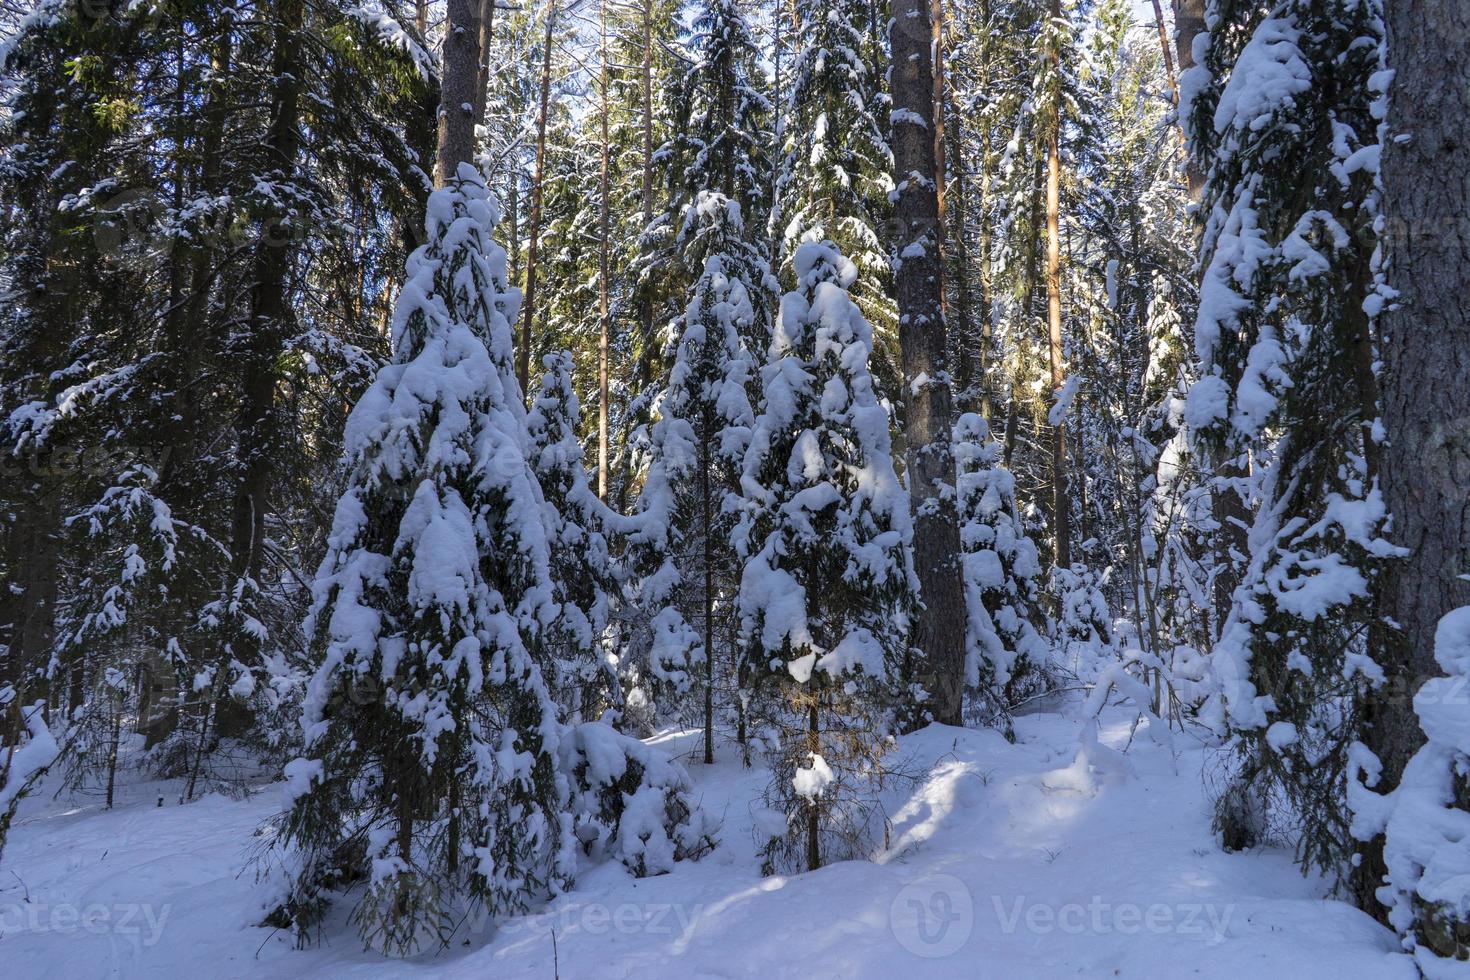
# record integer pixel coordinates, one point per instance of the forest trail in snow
(1003, 861)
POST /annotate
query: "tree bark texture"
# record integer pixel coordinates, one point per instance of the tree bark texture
(1425, 348)
(1061, 499)
(458, 103)
(939, 622)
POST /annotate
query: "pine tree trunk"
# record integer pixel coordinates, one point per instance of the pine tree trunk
(936, 18)
(645, 301)
(707, 518)
(1425, 345)
(1169, 73)
(528, 311)
(640, 370)
(778, 131)
(1061, 507)
(604, 234)
(939, 622)
(648, 125)
(115, 736)
(984, 246)
(513, 221)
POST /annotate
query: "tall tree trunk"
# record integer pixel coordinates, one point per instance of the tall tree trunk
(1169, 73)
(513, 210)
(1142, 469)
(258, 424)
(482, 81)
(638, 373)
(707, 518)
(778, 129)
(1061, 509)
(603, 244)
(648, 120)
(114, 737)
(462, 103)
(984, 282)
(270, 305)
(1425, 346)
(459, 106)
(528, 310)
(1189, 23)
(936, 17)
(938, 626)
(190, 291)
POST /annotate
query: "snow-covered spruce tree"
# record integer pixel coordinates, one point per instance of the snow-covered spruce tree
(1004, 648)
(827, 586)
(430, 734)
(1081, 629)
(630, 802)
(836, 175)
(1424, 821)
(582, 570)
(723, 115)
(681, 547)
(1283, 114)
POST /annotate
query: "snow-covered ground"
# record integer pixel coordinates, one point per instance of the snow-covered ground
(1002, 862)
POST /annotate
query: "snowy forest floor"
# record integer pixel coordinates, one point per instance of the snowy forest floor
(1001, 863)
